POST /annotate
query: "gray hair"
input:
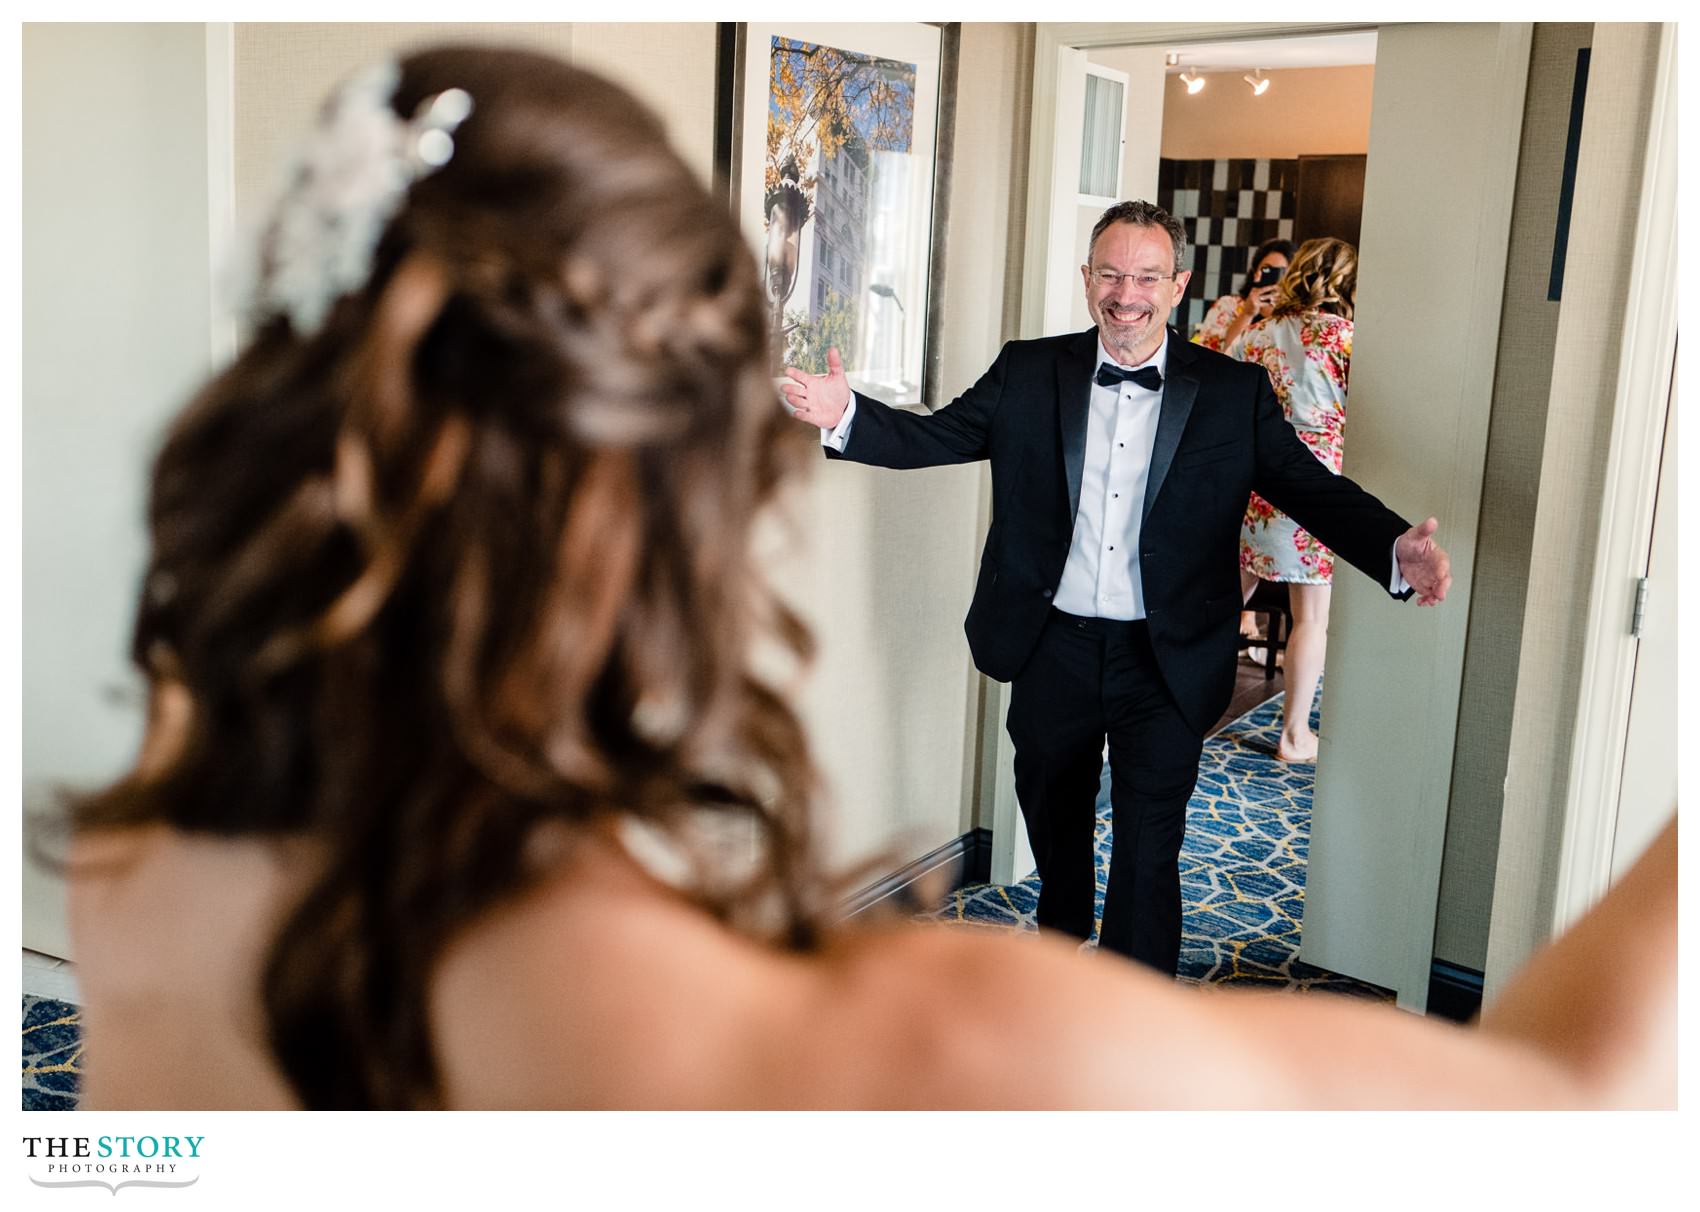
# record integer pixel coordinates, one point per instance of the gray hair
(1142, 214)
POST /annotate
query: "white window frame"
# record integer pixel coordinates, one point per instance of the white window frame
(1121, 78)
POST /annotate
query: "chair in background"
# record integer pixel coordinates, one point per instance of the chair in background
(1270, 600)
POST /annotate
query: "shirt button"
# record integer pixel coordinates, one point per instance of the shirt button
(1116, 495)
(1046, 593)
(1112, 547)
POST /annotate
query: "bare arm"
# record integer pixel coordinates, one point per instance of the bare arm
(1601, 999)
(1589, 1022)
(682, 1013)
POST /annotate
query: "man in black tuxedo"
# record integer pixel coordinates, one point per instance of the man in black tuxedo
(1122, 459)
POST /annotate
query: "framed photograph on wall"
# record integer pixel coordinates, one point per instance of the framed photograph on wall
(833, 161)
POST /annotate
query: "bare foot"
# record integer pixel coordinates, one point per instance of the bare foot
(1295, 753)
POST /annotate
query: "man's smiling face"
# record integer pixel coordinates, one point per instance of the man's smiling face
(1131, 317)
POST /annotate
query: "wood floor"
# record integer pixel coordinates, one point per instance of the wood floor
(1250, 689)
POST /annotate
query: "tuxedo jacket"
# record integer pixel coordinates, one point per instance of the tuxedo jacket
(1220, 434)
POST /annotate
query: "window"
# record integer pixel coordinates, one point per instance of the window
(1101, 134)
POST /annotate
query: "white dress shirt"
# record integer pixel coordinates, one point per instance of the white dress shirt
(1101, 576)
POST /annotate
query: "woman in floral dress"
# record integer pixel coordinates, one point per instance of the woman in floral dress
(1231, 315)
(1306, 346)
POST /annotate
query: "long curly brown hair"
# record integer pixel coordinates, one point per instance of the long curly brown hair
(1322, 276)
(473, 559)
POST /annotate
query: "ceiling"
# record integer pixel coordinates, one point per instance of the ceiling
(1321, 50)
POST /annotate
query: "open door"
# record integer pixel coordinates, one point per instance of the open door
(1431, 280)
(1012, 857)
(1647, 793)
(1062, 281)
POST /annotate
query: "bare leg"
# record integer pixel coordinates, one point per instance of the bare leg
(1305, 648)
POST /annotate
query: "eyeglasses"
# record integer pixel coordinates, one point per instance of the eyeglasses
(1109, 279)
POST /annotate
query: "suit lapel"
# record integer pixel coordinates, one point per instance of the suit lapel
(1074, 400)
(1180, 389)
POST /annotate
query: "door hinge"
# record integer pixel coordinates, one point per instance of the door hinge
(1640, 615)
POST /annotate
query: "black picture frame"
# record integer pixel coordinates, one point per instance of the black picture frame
(875, 294)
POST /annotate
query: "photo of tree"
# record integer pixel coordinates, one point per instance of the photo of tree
(837, 177)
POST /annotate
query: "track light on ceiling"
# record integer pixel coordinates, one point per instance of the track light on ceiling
(1258, 81)
(1192, 80)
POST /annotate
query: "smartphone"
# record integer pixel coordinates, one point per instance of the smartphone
(1268, 276)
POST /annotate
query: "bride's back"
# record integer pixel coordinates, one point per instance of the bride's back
(599, 987)
(453, 557)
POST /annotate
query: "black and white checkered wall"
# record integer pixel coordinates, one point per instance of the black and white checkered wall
(1229, 208)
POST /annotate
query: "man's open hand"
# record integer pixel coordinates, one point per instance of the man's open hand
(1424, 563)
(818, 399)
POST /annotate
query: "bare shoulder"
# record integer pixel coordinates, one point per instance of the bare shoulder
(969, 1019)
(601, 990)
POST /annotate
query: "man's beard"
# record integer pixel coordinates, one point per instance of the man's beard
(1122, 341)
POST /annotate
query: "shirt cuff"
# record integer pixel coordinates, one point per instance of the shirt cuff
(1398, 584)
(838, 437)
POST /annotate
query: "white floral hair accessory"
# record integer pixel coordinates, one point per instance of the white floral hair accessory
(348, 182)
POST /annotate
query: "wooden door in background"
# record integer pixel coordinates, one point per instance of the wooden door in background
(1330, 198)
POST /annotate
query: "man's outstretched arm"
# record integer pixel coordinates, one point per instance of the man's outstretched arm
(958, 432)
(1342, 514)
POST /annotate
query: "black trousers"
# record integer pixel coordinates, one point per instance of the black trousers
(1090, 679)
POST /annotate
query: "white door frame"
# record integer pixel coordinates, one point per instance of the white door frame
(1626, 521)
(1580, 800)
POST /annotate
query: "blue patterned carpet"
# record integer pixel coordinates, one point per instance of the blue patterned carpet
(52, 1054)
(1242, 867)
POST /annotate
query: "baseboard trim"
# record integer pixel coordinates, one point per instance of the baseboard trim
(1454, 992)
(962, 860)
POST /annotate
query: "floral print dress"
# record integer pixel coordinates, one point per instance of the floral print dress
(1307, 357)
(1213, 332)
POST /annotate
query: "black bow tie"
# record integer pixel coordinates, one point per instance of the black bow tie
(1148, 377)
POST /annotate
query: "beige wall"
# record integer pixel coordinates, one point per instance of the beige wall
(284, 70)
(889, 566)
(1313, 111)
(116, 307)
(1528, 328)
(885, 563)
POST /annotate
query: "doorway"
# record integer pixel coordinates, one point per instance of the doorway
(1394, 674)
